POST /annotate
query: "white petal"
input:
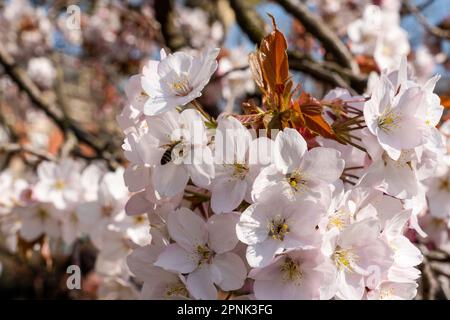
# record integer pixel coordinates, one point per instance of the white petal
(227, 194)
(222, 232)
(203, 67)
(261, 152)
(170, 179)
(323, 163)
(201, 169)
(267, 178)
(232, 270)
(163, 126)
(136, 177)
(200, 285)
(261, 254)
(193, 127)
(252, 227)
(159, 105)
(350, 286)
(187, 229)
(175, 258)
(406, 254)
(360, 233)
(289, 148)
(232, 141)
(141, 261)
(138, 204)
(89, 213)
(31, 229)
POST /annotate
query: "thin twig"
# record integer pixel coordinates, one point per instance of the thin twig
(20, 77)
(16, 147)
(227, 73)
(202, 111)
(434, 30)
(255, 28)
(319, 29)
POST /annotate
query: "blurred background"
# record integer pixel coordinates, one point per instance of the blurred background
(64, 66)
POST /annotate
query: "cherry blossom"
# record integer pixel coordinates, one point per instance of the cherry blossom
(176, 145)
(294, 275)
(275, 223)
(238, 159)
(176, 79)
(390, 118)
(202, 250)
(58, 183)
(227, 174)
(302, 172)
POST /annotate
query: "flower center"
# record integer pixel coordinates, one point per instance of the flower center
(74, 218)
(107, 210)
(389, 120)
(240, 170)
(402, 161)
(296, 180)
(42, 214)
(138, 220)
(59, 185)
(291, 270)
(278, 229)
(176, 289)
(386, 293)
(444, 185)
(339, 219)
(181, 86)
(344, 258)
(205, 254)
(439, 223)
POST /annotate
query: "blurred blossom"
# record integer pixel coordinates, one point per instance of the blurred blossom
(41, 71)
(193, 170)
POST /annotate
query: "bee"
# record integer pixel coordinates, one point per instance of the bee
(167, 155)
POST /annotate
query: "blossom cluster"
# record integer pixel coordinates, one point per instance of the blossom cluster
(228, 174)
(66, 203)
(285, 215)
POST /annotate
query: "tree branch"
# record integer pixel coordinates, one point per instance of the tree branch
(319, 29)
(20, 77)
(253, 25)
(434, 30)
(164, 14)
(16, 147)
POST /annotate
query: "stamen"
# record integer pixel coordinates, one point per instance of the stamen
(204, 253)
(59, 185)
(344, 258)
(107, 210)
(444, 185)
(181, 86)
(389, 120)
(240, 170)
(139, 220)
(42, 214)
(278, 229)
(291, 270)
(176, 289)
(296, 181)
(74, 218)
(339, 219)
(386, 293)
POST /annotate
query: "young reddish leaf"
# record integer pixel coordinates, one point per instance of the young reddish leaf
(274, 60)
(249, 118)
(445, 101)
(309, 113)
(256, 70)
